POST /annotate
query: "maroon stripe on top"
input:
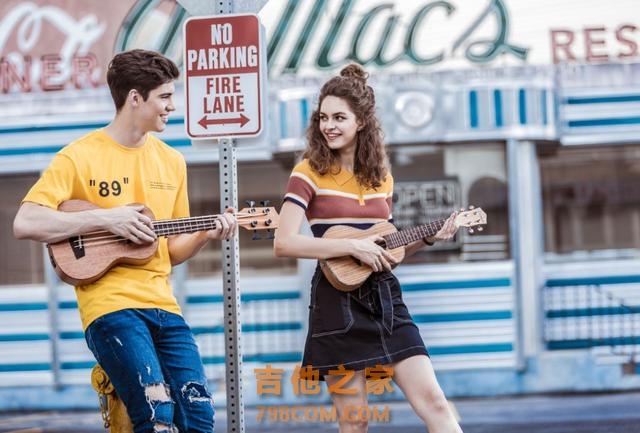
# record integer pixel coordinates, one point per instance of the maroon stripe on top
(301, 188)
(342, 207)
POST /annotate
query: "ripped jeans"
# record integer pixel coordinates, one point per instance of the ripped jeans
(152, 359)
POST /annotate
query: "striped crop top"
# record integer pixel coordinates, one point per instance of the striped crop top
(335, 199)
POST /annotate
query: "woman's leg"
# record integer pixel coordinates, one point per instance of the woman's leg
(417, 380)
(347, 405)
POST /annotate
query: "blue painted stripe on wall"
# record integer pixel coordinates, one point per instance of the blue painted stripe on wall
(569, 344)
(179, 142)
(273, 357)
(468, 284)
(67, 126)
(30, 150)
(30, 306)
(68, 305)
(585, 281)
(604, 122)
(197, 330)
(204, 299)
(584, 343)
(77, 365)
(575, 100)
(262, 327)
(37, 366)
(270, 296)
(522, 106)
(23, 337)
(497, 107)
(249, 327)
(81, 365)
(36, 306)
(263, 357)
(470, 348)
(587, 312)
(543, 107)
(50, 128)
(462, 317)
(282, 109)
(72, 335)
(473, 109)
(304, 111)
(245, 297)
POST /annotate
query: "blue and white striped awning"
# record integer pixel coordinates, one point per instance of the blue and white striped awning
(605, 115)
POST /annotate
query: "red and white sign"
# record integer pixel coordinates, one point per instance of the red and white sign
(223, 76)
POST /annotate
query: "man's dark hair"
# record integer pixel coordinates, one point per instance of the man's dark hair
(141, 70)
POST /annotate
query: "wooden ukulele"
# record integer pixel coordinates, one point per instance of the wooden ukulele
(83, 259)
(347, 274)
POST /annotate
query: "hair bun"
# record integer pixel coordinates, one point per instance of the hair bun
(354, 71)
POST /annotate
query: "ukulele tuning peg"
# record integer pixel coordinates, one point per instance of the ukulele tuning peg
(253, 223)
(480, 229)
(470, 231)
(256, 236)
(251, 203)
(264, 203)
(471, 207)
(461, 209)
(268, 222)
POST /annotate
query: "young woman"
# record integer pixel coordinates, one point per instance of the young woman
(344, 179)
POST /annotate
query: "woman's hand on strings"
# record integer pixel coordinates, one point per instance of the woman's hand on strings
(447, 231)
(368, 252)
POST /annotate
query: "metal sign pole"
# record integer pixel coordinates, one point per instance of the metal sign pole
(231, 278)
(195, 41)
(231, 290)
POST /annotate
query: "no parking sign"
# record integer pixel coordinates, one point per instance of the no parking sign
(223, 62)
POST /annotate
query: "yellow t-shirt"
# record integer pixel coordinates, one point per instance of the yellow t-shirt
(97, 169)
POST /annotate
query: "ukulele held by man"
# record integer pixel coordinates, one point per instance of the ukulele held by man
(85, 258)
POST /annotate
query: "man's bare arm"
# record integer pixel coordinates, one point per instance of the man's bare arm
(43, 224)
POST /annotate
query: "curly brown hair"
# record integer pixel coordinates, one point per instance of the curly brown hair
(370, 162)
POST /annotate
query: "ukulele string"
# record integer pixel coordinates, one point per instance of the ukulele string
(199, 222)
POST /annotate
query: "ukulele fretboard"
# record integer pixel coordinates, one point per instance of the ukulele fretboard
(405, 237)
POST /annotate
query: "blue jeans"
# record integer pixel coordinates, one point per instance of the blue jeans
(152, 359)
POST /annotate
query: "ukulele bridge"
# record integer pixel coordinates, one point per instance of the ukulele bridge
(77, 246)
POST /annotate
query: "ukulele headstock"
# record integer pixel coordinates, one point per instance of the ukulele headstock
(474, 217)
(258, 218)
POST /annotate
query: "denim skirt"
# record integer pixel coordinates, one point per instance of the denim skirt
(367, 327)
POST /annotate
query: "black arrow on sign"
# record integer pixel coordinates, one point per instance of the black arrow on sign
(241, 119)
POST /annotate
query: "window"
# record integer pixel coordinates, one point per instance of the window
(431, 181)
(257, 181)
(21, 262)
(591, 198)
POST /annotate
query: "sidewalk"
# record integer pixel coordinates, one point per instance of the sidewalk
(575, 413)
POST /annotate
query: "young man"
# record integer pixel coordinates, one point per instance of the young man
(131, 319)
